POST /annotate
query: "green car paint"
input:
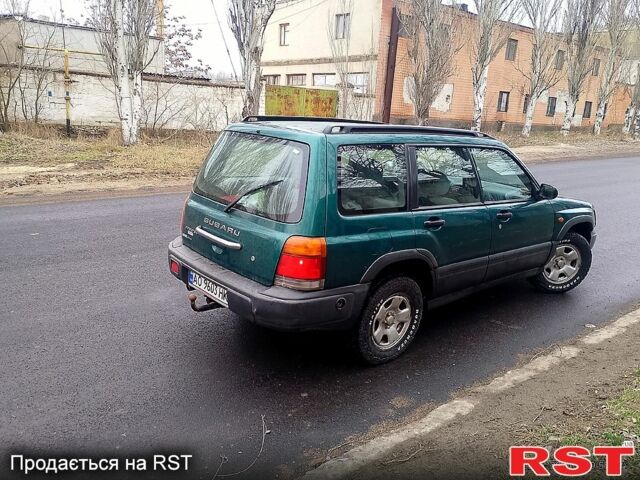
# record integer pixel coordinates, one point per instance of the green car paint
(476, 244)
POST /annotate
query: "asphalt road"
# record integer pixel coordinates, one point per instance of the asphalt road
(101, 355)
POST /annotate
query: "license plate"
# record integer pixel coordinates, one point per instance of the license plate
(210, 288)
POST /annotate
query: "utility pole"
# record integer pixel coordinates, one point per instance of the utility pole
(391, 65)
(67, 76)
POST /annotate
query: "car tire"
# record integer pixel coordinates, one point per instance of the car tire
(389, 321)
(572, 251)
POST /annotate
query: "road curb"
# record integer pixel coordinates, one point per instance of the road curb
(377, 448)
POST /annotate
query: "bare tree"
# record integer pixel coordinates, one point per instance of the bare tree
(580, 21)
(340, 45)
(248, 20)
(431, 49)
(37, 77)
(12, 56)
(162, 105)
(487, 39)
(543, 71)
(617, 21)
(632, 114)
(123, 28)
(179, 37)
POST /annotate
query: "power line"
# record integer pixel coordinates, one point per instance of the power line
(224, 40)
(301, 11)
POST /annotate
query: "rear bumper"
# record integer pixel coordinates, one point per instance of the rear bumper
(276, 307)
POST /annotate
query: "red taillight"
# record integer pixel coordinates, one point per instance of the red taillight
(302, 264)
(174, 267)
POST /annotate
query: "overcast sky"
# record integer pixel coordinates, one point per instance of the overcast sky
(198, 13)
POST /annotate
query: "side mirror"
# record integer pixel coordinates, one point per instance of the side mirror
(547, 192)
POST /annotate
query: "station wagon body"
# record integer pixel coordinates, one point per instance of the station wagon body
(302, 224)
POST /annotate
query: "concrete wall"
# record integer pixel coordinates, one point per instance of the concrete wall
(168, 102)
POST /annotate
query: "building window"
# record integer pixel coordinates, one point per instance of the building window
(284, 34)
(596, 67)
(503, 101)
(559, 59)
(296, 80)
(324, 79)
(527, 99)
(405, 20)
(587, 110)
(551, 106)
(512, 47)
(359, 82)
(272, 79)
(343, 25)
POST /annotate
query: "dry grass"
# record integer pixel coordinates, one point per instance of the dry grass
(514, 139)
(158, 156)
(41, 159)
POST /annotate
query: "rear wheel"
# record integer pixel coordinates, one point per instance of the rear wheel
(567, 267)
(389, 320)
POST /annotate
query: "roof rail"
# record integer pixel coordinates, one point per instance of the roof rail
(286, 118)
(345, 125)
(387, 128)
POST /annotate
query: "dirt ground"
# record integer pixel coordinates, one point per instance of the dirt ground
(592, 399)
(52, 166)
(32, 165)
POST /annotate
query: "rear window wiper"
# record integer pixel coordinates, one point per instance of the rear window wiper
(250, 191)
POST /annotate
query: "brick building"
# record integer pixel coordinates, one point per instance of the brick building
(298, 51)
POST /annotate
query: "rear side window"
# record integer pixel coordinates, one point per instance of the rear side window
(445, 177)
(274, 167)
(371, 179)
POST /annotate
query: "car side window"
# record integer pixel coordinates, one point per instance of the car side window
(445, 177)
(371, 178)
(501, 176)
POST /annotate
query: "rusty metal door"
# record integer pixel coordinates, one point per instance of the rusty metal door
(299, 101)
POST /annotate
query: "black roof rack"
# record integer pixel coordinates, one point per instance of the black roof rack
(344, 125)
(416, 129)
(285, 118)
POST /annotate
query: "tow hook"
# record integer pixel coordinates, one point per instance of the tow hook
(210, 305)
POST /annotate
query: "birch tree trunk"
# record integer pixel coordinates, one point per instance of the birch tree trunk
(636, 125)
(528, 119)
(597, 125)
(568, 116)
(479, 93)
(136, 106)
(124, 92)
(628, 119)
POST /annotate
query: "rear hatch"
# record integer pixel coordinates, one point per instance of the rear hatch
(247, 200)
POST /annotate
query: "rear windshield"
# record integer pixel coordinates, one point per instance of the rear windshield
(240, 162)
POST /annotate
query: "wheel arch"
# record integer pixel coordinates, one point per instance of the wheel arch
(582, 225)
(418, 264)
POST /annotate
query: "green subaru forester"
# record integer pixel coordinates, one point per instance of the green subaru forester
(306, 223)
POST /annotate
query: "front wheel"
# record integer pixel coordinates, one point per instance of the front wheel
(567, 267)
(389, 320)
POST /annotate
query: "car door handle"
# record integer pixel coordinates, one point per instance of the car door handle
(504, 215)
(434, 223)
